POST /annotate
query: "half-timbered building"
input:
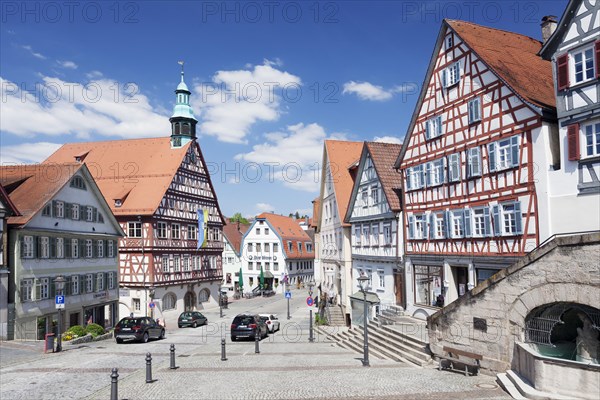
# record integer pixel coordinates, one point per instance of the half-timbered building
(467, 164)
(161, 193)
(333, 234)
(373, 211)
(572, 163)
(64, 228)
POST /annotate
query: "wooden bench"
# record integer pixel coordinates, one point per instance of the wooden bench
(465, 358)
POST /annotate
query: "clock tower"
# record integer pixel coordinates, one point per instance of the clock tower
(183, 123)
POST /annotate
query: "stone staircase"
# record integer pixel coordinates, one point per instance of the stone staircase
(335, 316)
(390, 314)
(385, 343)
(519, 388)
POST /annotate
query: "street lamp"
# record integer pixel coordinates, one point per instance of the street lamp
(220, 300)
(311, 285)
(152, 292)
(362, 282)
(59, 284)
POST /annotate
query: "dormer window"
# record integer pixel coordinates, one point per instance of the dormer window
(78, 183)
(118, 203)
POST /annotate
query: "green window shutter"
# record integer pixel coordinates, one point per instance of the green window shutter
(95, 215)
(51, 288)
(94, 282)
(82, 285)
(22, 290)
(22, 247)
(36, 247)
(106, 248)
(95, 248)
(67, 291)
(81, 243)
(52, 247)
(106, 281)
(68, 248)
(54, 209)
(38, 289)
(68, 211)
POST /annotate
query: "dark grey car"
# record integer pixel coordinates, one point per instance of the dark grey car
(138, 328)
(248, 326)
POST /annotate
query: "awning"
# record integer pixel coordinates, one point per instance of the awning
(371, 297)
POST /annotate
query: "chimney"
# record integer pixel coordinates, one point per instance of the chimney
(548, 27)
(238, 225)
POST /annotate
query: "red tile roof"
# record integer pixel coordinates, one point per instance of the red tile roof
(514, 58)
(384, 156)
(290, 231)
(234, 231)
(341, 154)
(137, 171)
(30, 187)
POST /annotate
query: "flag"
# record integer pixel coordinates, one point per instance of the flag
(241, 281)
(202, 227)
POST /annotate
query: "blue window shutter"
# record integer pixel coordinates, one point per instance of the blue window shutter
(439, 126)
(468, 222)
(477, 171)
(421, 176)
(428, 174)
(518, 218)
(425, 226)
(427, 130)
(444, 77)
(443, 165)
(514, 145)
(431, 226)
(486, 218)
(461, 217)
(457, 66)
(492, 156)
(411, 227)
(447, 224)
(408, 182)
(496, 218)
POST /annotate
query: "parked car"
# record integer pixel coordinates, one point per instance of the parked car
(248, 326)
(271, 321)
(191, 318)
(138, 328)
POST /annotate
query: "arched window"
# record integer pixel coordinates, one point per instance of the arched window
(186, 129)
(169, 301)
(177, 128)
(203, 296)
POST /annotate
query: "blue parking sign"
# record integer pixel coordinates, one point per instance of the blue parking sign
(60, 301)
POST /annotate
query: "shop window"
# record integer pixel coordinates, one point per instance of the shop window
(428, 284)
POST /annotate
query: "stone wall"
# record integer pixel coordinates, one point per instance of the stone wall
(491, 317)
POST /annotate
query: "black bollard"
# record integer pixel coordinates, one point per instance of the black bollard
(223, 355)
(149, 368)
(114, 382)
(256, 340)
(172, 357)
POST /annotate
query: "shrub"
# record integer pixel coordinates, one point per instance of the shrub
(95, 330)
(77, 330)
(68, 336)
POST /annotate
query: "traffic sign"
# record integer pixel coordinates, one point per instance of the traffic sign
(60, 301)
(151, 305)
(310, 301)
(288, 295)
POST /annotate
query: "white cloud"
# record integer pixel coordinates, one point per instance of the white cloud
(292, 157)
(58, 107)
(26, 153)
(67, 64)
(264, 207)
(235, 100)
(388, 139)
(94, 74)
(33, 53)
(367, 91)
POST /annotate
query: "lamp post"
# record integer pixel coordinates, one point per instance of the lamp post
(220, 300)
(362, 283)
(59, 284)
(311, 285)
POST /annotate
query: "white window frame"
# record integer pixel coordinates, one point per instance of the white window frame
(175, 231)
(275, 247)
(27, 286)
(449, 42)
(60, 209)
(28, 246)
(454, 167)
(266, 231)
(387, 233)
(508, 219)
(480, 221)
(375, 234)
(381, 274)
(89, 213)
(74, 284)
(134, 228)
(435, 173)
(186, 263)
(419, 226)
(44, 247)
(89, 283)
(366, 235)
(438, 222)
(111, 280)
(474, 106)
(89, 248)
(75, 212)
(74, 248)
(111, 248)
(100, 247)
(99, 281)
(591, 139)
(165, 264)
(44, 284)
(357, 235)
(374, 195)
(504, 154)
(473, 162)
(192, 232)
(451, 75)
(60, 247)
(176, 264)
(136, 304)
(584, 59)
(364, 197)
(456, 224)
(161, 230)
(434, 127)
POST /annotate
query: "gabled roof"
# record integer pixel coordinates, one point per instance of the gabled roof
(8, 204)
(233, 232)
(138, 171)
(512, 57)
(383, 156)
(289, 230)
(30, 187)
(340, 155)
(550, 46)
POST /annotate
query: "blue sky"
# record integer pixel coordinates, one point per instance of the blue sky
(270, 80)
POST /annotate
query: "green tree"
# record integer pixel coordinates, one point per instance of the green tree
(237, 217)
